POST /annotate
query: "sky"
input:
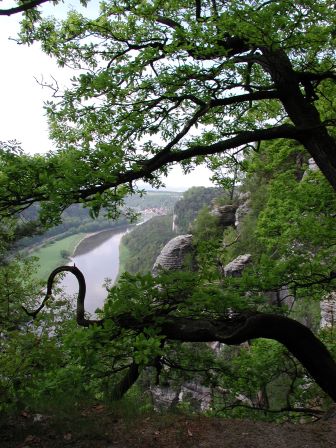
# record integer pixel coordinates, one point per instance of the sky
(22, 116)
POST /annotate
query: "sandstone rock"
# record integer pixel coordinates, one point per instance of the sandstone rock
(280, 297)
(244, 196)
(236, 267)
(225, 213)
(164, 397)
(328, 311)
(243, 209)
(311, 167)
(198, 396)
(241, 212)
(173, 254)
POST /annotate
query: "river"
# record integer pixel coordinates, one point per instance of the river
(97, 256)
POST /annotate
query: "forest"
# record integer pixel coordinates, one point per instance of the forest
(246, 88)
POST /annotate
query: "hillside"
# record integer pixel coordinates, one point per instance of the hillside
(77, 219)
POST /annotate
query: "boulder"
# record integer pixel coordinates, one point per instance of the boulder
(172, 256)
(236, 266)
(225, 213)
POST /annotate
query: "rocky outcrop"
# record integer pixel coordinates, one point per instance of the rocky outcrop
(243, 209)
(328, 311)
(199, 397)
(232, 215)
(164, 397)
(236, 266)
(280, 297)
(312, 167)
(225, 213)
(172, 256)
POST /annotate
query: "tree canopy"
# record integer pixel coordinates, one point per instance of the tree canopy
(161, 83)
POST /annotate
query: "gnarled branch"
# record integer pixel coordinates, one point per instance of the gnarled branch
(232, 330)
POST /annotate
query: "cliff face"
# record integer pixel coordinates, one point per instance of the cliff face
(230, 235)
(226, 214)
(328, 311)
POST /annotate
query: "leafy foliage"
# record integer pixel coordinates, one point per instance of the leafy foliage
(165, 83)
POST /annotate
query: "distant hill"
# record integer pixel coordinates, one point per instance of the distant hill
(76, 218)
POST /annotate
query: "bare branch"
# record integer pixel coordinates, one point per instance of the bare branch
(81, 320)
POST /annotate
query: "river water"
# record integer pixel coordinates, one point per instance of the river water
(97, 256)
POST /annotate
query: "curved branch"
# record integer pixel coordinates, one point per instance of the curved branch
(81, 320)
(231, 330)
(297, 338)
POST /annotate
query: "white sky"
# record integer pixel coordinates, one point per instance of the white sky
(21, 113)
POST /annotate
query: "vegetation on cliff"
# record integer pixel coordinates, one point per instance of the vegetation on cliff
(144, 244)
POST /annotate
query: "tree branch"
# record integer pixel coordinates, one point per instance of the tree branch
(26, 6)
(81, 320)
(232, 329)
(164, 157)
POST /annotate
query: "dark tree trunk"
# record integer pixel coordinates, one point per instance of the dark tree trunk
(232, 330)
(126, 383)
(300, 108)
(297, 338)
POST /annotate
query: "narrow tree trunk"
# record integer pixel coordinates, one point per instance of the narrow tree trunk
(126, 383)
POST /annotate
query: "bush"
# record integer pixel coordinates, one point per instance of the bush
(65, 254)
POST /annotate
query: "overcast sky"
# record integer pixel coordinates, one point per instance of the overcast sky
(21, 113)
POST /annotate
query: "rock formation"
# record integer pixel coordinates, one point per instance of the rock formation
(328, 311)
(243, 209)
(236, 266)
(199, 397)
(225, 213)
(281, 297)
(172, 256)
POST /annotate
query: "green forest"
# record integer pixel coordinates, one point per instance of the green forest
(242, 333)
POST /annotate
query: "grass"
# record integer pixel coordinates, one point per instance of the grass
(123, 257)
(49, 254)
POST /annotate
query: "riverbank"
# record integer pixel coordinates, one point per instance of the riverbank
(56, 253)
